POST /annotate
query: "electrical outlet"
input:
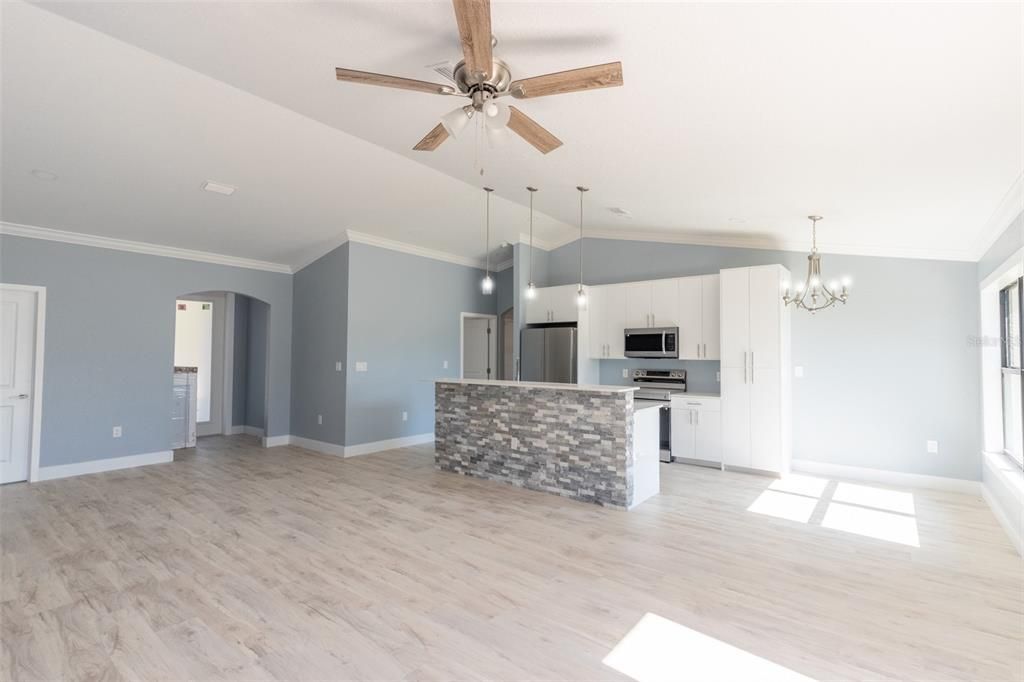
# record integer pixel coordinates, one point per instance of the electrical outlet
(319, 419)
(445, 364)
(933, 447)
(625, 374)
(337, 366)
(405, 416)
(718, 377)
(798, 372)
(117, 432)
(361, 367)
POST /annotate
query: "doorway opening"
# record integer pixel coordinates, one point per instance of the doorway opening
(507, 325)
(220, 346)
(478, 346)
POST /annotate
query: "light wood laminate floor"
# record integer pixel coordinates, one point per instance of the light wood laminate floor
(235, 562)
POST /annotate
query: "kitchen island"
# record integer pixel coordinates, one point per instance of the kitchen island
(590, 443)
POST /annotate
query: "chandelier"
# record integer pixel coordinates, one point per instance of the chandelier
(814, 295)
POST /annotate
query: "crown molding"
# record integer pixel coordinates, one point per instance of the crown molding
(755, 242)
(412, 249)
(539, 243)
(1011, 206)
(81, 239)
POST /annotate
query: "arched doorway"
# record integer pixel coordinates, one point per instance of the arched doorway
(220, 338)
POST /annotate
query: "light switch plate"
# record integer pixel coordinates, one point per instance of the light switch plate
(718, 377)
(319, 419)
(445, 364)
(933, 447)
(405, 416)
(337, 366)
(361, 367)
(625, 374)
(117, 432)
(798, 372)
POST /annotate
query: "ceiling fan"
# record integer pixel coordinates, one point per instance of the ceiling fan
(483, 79)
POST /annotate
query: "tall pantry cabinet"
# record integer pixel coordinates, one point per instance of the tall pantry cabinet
(755, 366)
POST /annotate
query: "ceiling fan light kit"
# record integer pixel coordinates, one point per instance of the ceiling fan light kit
(483, 79)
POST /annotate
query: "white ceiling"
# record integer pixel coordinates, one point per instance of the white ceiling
(900, 123)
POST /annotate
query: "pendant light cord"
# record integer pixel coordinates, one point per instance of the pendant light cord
(487, 233)
(582, 190)
(531, 190)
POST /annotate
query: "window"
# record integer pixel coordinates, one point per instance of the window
(1010, 305)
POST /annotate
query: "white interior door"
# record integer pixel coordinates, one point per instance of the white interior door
(478, 348)
(18, 309)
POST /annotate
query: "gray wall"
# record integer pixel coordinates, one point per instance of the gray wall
(403, 320)
(1008, 243)
(885, 373)
(256, 367)
(319, 340)
(241, 358)
(110, 342)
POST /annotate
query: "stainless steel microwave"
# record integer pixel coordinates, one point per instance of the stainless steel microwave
(652, 342)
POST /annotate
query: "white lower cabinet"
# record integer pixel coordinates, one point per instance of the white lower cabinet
(697, 429)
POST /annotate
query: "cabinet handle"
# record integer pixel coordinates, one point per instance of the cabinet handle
(698, 417)
(698, 350)
(705, 351)
(691, 417)
(744, 366)
(751, 366)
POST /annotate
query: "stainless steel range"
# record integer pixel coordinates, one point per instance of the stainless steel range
(657, 386)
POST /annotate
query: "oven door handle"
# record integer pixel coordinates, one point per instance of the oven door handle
(663, 343)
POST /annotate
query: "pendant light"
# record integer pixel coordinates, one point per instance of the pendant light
(531, 289)
(487, 285)
(813, 294)
(581, 296)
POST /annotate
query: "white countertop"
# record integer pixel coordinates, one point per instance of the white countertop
(647, 405)
(591, 388)
(698, 395)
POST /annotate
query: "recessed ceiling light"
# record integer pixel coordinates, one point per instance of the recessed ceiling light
(218, 188)
(620, 212)
(44, 174)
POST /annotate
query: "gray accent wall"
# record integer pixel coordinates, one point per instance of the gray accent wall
(256, 367)
(1008, 243)
(241, 359)
(319, 340)
(403, 321)
(882, 375)
(110, 342)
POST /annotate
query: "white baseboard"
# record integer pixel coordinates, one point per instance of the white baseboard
(356, 450)
(894, 478)
(100, 465)
(320, 446)
(391, 444)
(275, 441)
(1004, 520)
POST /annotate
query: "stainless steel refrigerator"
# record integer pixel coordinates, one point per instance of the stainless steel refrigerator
(548, 353)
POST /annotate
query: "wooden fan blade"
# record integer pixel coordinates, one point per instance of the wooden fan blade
(531, 131)
(474, 19)
(367, 78)
(432, 140)
(587, 78)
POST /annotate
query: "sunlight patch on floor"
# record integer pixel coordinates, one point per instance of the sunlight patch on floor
(660, 650)
(864, 510)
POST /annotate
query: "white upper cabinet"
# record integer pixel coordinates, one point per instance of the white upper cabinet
(689, 317)
(765, 315)
(734, 309)
(710, 316)
(607, 321)
(664, 303)
(638, 305)
(553, 304)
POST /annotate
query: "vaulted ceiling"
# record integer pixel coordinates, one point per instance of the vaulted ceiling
(900, 123)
